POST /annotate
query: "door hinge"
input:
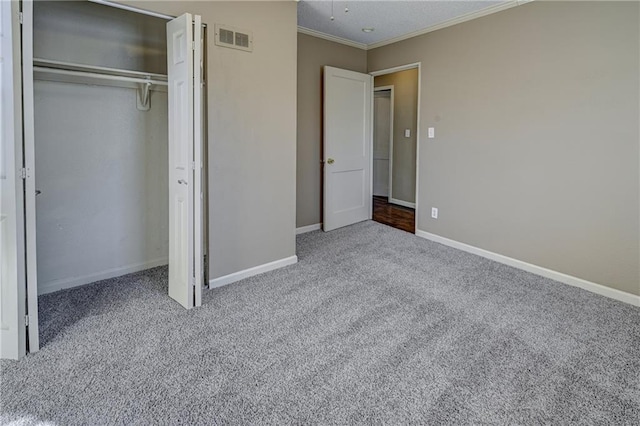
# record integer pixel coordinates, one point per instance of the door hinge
(193, 45)
(20, 17)
(23, 173)
(193, 165)
(26, 320)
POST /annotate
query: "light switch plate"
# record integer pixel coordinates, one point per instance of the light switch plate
(407, 133)
(432, 133)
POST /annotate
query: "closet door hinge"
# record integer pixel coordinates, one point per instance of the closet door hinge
(23, 173)
(26, 320)
(193, 45)
(20, 17)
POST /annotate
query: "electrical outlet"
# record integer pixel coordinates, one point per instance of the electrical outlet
(407, 133)
(431, 133)
(434, 212)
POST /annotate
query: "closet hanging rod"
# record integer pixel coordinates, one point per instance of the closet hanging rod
(48, 65)
(99, 76)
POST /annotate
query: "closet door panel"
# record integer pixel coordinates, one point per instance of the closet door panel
(181, 159)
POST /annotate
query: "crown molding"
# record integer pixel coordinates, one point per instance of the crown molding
(460, 19)
(329, 37)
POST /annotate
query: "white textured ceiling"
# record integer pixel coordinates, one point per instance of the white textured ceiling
(390, 19)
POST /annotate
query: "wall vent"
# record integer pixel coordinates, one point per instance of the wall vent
(234, 38)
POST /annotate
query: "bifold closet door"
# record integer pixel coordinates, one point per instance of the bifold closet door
(18, 269)
(184, 58)
(13, 333)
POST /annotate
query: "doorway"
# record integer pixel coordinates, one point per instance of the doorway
(395, 136)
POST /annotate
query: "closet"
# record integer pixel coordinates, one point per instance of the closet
(103, 161)
(101, 142)
(114, 165)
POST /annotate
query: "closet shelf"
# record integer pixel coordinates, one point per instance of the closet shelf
(49, 70)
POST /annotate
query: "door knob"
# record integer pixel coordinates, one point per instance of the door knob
(38, 192)
(182, 181)
(330, 160)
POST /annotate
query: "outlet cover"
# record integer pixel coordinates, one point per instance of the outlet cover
(434, 212)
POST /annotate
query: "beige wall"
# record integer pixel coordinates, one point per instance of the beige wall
(313, 54)
(536, 114)
(252, 132)
(405, 116)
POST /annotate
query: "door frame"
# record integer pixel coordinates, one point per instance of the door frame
(392, 70)
(384, 89)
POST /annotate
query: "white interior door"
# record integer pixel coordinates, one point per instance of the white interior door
(382, 134)
(347, 147)
(185, 143)
(13, 335)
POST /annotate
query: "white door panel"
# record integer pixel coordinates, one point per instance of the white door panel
(184, 68)
(30, 181)
(13, 336)
(347, 147)
(180, 78)
(382, 110)
(381, 177)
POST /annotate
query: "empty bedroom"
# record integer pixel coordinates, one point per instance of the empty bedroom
(320, 212)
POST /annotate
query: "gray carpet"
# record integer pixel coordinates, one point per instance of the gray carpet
(373, 325)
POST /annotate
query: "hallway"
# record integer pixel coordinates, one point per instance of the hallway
(393, 215)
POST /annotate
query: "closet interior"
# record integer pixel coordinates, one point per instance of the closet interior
(101, 142)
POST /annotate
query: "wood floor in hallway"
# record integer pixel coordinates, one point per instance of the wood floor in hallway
(393, 215)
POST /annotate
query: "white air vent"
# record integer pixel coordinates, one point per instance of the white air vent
(234, 38)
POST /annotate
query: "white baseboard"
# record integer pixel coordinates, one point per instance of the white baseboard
(402, 203)
(308, 228)
(600, 289)
(246, 273)
(61, 284)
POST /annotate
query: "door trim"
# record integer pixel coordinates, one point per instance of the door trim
(385, 71)
(384, 89)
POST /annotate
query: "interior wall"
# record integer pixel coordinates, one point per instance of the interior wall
(536, 116)
(251, 132)
(102, 168)
(313, 54)
(405, 116)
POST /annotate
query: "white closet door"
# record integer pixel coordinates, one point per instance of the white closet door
(185, 215)
(18, 273)
(30, 181)
(13, 336)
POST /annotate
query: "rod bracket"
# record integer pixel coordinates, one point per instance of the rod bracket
(143, 100)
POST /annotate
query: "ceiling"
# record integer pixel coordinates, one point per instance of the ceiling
(391, 19)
